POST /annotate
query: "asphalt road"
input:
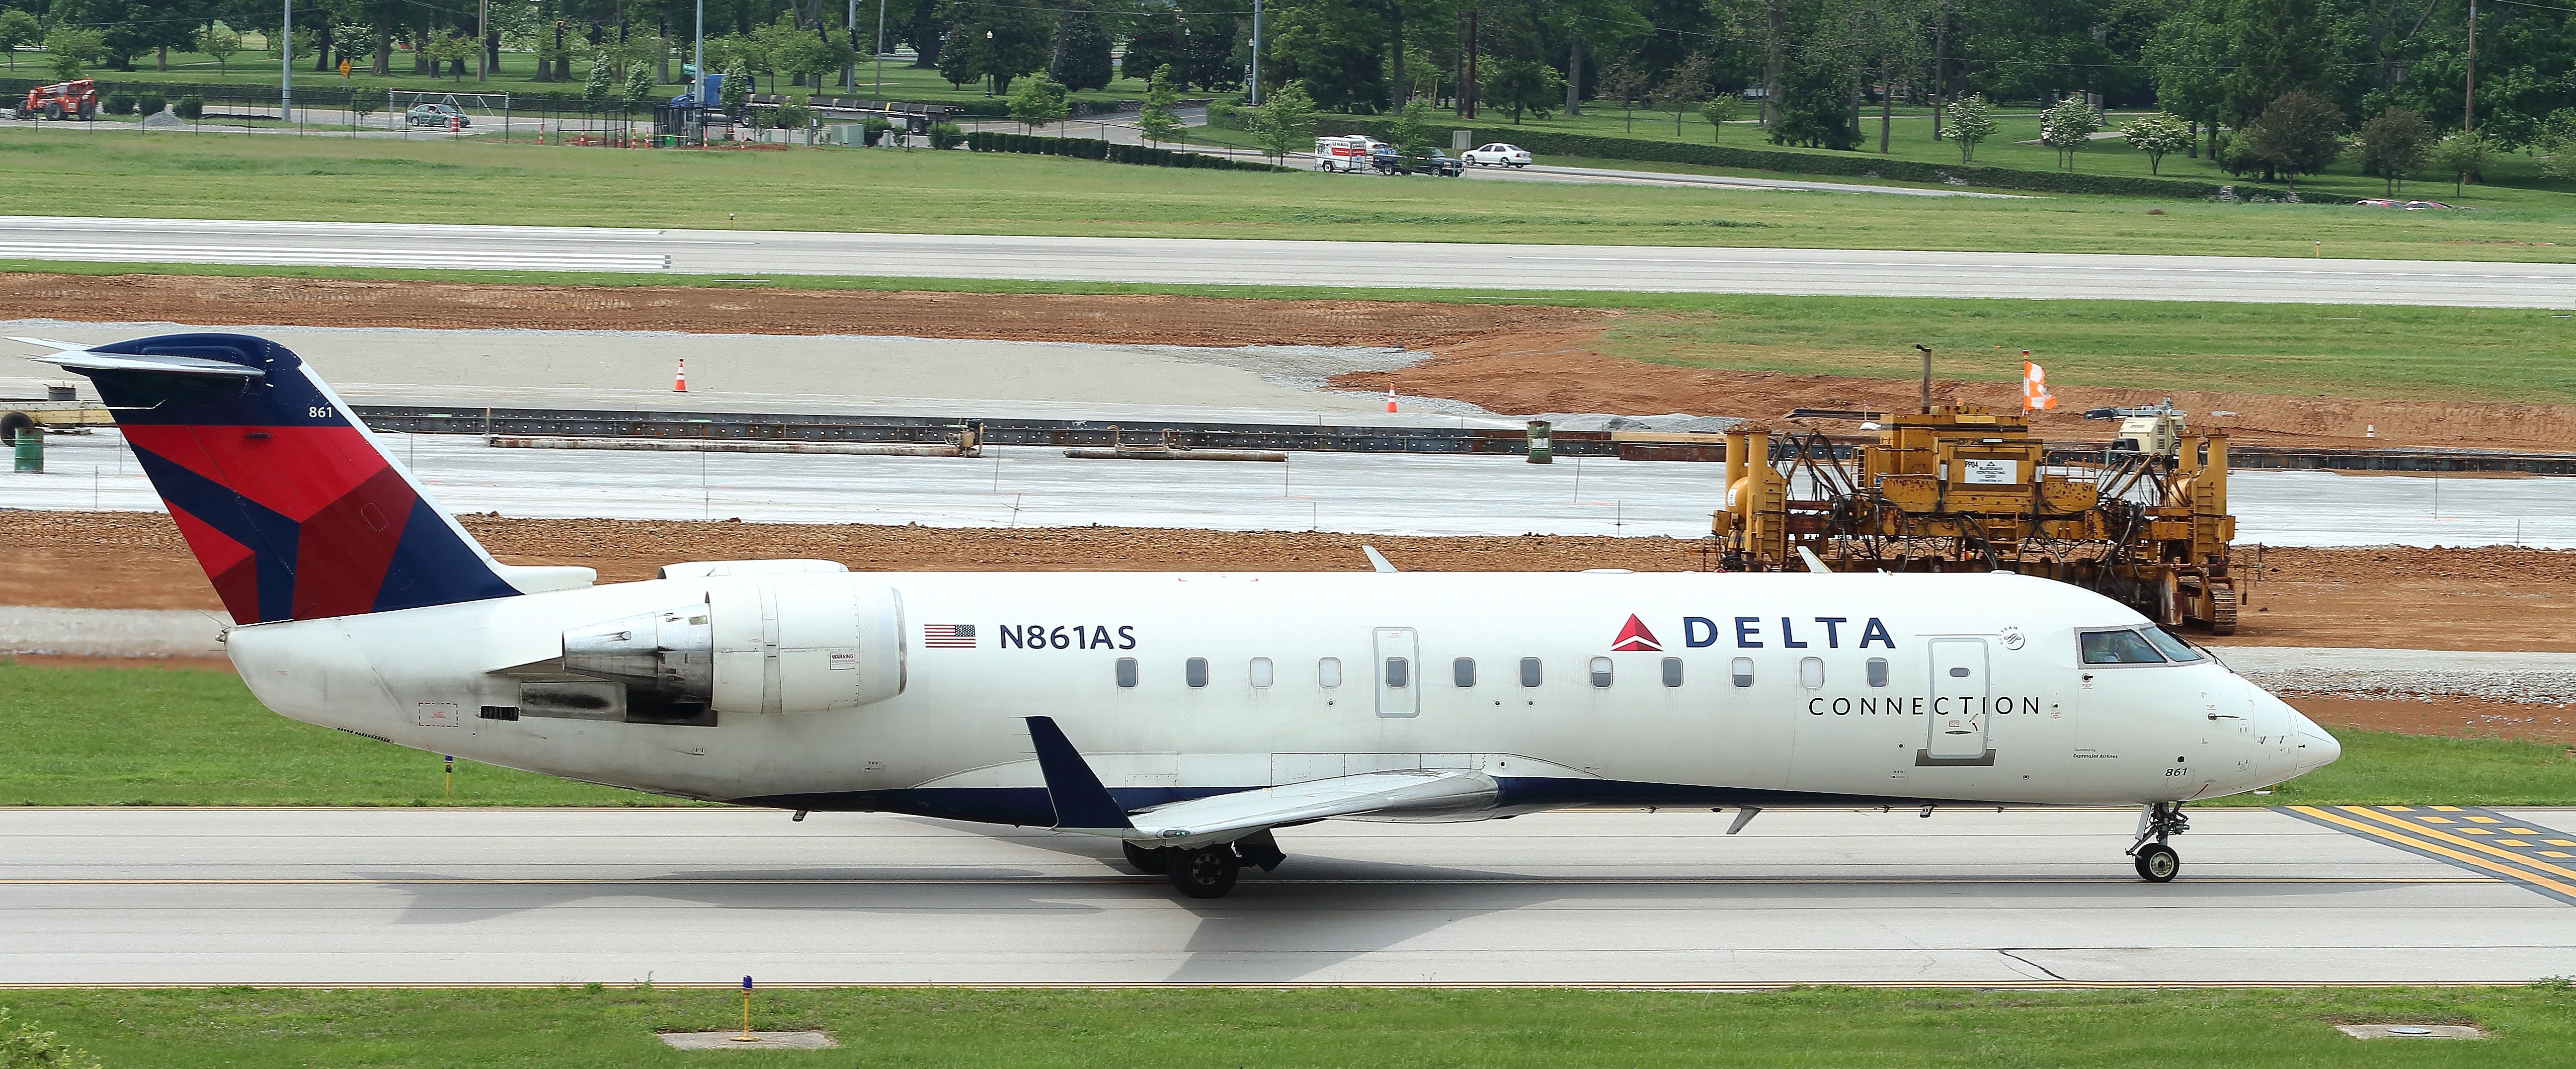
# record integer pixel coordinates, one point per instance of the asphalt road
(94, 896)
(1855, 272)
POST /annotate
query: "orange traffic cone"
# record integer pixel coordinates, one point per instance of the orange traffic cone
(1390, 400)
(680, 382)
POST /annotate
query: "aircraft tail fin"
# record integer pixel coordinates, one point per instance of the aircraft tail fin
(287, 501)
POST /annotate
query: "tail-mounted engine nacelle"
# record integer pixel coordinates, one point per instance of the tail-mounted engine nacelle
(756, 649)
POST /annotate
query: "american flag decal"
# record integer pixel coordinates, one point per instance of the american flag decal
(948, 636)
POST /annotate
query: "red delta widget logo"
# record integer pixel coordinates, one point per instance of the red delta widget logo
(1635, 638)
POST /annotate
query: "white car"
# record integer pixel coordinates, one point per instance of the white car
(1497, 155)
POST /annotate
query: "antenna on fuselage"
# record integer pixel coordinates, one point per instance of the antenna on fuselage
(1814, 563)
(1377, 560)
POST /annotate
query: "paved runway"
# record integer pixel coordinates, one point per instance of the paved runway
(529, 896)
(1302, 263)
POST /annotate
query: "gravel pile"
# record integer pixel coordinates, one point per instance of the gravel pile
(2514, 677)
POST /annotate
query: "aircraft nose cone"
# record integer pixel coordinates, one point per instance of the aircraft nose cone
(2316, 748)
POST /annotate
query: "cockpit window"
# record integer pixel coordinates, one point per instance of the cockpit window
(2174, 649)
(2119, 647)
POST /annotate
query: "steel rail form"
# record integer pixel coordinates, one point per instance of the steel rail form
(1491, 441)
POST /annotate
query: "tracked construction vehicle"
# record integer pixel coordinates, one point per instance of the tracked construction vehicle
(1958, 488)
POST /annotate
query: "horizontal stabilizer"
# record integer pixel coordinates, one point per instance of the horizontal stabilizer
(82, 358)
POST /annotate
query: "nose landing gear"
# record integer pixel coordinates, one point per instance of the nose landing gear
(2157, 862)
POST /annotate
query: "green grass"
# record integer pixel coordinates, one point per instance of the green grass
(123, 736)
(1842, 1028)
(129, 736)
(2384, 768)
(323, 178)
(2387, 352)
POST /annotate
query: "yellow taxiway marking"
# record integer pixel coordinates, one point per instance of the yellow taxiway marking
(2485, 848)
(2434, 820)
(2486, 820)
(2436, 848)
(2437, 809)
(2556, 853)
(2520, 831)
(2560, 842)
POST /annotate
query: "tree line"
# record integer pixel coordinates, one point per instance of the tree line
(1816, 73)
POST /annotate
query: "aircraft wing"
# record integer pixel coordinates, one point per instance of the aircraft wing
(1083, 805)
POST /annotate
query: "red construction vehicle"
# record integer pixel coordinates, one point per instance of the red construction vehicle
(62, 100)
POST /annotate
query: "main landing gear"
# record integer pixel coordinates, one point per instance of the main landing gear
(2157, 862)
(1205, 871)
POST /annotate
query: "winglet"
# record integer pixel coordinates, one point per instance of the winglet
(1080, 801)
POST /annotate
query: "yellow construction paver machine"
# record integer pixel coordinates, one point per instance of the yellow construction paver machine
(1959, 488)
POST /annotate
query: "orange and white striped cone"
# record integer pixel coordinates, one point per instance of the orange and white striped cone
(680, 381)
(1390, 400)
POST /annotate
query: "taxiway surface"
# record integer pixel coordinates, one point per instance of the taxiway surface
(1364, 493)
(99, 896)
(1854, 272)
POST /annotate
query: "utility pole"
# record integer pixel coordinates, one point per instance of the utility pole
(698, 89)
(1467, 80)
(286, 64)
(879, 49)
(1256, 53)
(482, 49)
(2469, 101)
(850, 73)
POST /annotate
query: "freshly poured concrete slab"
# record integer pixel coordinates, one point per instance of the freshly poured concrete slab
(1622, 898)
(789, 373)
(1351, 492)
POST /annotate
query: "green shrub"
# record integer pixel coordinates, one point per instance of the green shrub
(1084, 148)
(151, 103)
(191, 107)
(946, 135)
(118, 103)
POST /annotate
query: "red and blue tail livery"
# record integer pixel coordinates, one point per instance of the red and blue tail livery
(284, 498)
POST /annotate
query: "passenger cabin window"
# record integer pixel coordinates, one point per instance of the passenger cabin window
(1672, 671)
(1195, 671)
(1399, 672)
(2119, 647)
(1877, 671)
(1601, 671)
(1261, 673)
(1126, 671)
(1463, 670)
(2174, 649)
(1328, 672)
(1742, 670)
(1529, 671)
(1811, 673)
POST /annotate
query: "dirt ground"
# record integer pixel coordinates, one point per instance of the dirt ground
(1507, 358)
(1559, 370)
(2466, 599)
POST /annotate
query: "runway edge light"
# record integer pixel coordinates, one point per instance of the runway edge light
(746, 1036)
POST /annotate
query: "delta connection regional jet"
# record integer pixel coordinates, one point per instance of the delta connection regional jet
(1188, 716)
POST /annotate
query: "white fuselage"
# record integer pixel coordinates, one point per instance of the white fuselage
(1982, 696)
